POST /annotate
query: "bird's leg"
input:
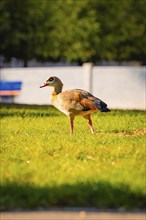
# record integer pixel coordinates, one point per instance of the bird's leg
(91, 126)
(88, 117)
(71, 125)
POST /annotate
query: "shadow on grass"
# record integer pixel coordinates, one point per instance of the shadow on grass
(27, 114)
(11, 110)
(99, 195)
(23, 110)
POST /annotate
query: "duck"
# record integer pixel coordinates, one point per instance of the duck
(75, 102)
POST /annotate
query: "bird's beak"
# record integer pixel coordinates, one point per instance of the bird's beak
(45, 84)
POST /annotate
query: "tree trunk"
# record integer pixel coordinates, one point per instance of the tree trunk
(25, 62)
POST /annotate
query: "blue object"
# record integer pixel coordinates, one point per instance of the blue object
(10, 86)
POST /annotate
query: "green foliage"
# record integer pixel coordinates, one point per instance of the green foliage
(89, 30)
(76, 30)
(19, 28)
(43, 166)
(122, 29)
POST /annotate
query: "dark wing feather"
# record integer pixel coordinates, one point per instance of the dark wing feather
(90, 102)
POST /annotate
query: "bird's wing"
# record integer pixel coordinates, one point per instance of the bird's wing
(88, 101)
(78, 100)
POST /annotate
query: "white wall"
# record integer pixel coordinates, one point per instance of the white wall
(119, 87)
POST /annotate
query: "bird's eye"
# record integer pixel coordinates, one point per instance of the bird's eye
(51, 79)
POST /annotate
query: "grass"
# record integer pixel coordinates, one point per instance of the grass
(43, 166)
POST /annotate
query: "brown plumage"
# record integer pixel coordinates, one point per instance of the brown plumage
(74, 102)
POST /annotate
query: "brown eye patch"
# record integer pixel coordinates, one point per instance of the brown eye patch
(51, 79)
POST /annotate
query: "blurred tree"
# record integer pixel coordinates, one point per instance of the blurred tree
(73, 30)
(19, 28)
(76, 30)
(122, 31)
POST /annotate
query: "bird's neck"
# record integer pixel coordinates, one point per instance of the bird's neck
(57, 90)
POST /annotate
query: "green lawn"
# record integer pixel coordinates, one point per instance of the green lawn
(42, 165)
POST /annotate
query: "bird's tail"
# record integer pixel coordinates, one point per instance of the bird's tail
(102, 106)
(105, 109)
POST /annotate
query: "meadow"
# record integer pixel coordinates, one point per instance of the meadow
(43, 166)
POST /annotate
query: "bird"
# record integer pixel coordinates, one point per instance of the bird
(74, 102)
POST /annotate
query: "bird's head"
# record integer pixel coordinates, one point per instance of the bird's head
(53, 81)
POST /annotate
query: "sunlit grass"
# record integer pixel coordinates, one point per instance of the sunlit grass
(39, 156)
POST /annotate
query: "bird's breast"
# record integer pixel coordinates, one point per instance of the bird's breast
(60, 104)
